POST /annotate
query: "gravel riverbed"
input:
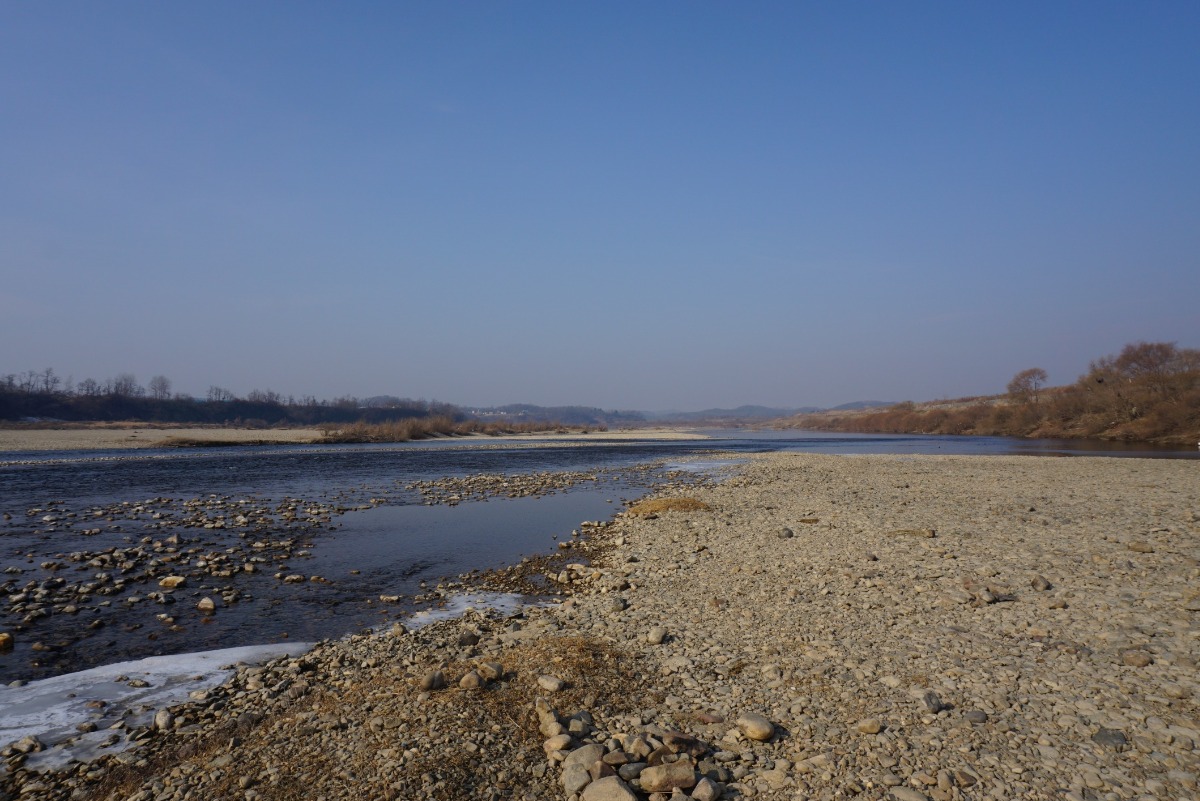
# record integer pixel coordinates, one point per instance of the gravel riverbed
(829, 627)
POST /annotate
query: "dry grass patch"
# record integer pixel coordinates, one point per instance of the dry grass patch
(196, 442)
(658, 506)
(461, 744)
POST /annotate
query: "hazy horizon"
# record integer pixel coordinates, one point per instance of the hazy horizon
(621, 205)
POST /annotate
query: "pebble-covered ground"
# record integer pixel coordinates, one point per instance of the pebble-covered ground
(829, 627)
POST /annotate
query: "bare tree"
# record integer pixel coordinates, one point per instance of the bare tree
(220, 394)
(126, 386)
(1026, 385)
(264, 396)
(160, 387)
(49, 381)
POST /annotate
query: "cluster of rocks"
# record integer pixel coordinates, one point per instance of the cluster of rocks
(92, 586)
(452, 490)
(648, 760)
(480, 486)
(246, 515)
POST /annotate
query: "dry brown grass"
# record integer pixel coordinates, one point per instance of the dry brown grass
(600, 678)
(1149, 392)
(660, 505)
(425, 427)
(196, 442)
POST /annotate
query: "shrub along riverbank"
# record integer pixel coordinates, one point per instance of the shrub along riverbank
(1149, 392)
(426, 427)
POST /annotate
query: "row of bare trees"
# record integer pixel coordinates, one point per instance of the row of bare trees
(1150, 391)
(47, 382)
(43, 394)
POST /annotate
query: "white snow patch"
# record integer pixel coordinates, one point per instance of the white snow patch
(52, 709)
(504, 603)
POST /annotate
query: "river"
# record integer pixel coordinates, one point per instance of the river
(301, 542)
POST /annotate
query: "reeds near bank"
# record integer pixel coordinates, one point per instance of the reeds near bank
(426, 427)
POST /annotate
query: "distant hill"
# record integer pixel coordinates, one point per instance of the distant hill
(1149, 392)
(740, 413)
(567, 415)
(868, 404)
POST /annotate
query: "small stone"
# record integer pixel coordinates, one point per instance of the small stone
(706, 790)
(870, 726)
(944, 781)
(491, 670)
(1136, 657)
(755, 726)
(574, 779)
(28, 745)
(663, 778)
(171, 582)
(584, 756)
(963, 779)
(1040, 583)
(163, 720)
(207, 605)
(775, 779)
(933, 702)
(1141, 547)
(908, 794)
(609, 788)
(551, 684)
(471, 681)
(786, 533)
(559, 742)
(433, 681)
(1111, 738)
(6, 641)
(976, 716)
(656, 635)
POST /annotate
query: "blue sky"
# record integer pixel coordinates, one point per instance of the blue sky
(620, 204)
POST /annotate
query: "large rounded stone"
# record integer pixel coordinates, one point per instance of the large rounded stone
(665, 778)
(755, 726)
(610, 788)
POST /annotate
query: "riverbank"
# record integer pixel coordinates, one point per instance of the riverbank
(875, 626)
(140, 436)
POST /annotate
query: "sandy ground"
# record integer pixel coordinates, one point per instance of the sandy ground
(109, 438)
(876, 627)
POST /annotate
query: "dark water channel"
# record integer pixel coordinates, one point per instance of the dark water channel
(82, 549)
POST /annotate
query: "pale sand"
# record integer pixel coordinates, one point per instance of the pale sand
(116, 437)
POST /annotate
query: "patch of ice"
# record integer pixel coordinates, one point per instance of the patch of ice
(52, 709)
(505, 603)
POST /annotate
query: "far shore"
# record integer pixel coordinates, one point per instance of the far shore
(118, 436)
